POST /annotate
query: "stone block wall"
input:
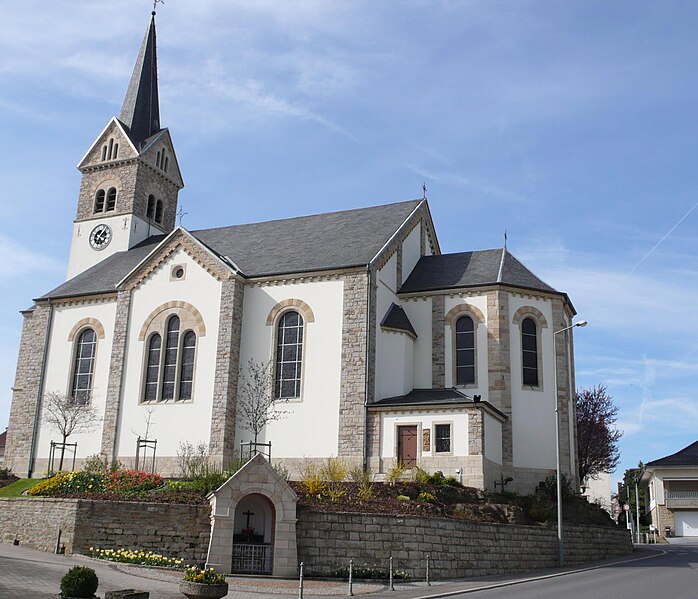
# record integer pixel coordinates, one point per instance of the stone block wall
(174, 530)
(456, 549)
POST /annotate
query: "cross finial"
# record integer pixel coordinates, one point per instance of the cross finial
(180, 215)
(155, 4)
(505, 239)
(424, 190)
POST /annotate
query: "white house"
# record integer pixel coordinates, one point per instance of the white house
(383, 348)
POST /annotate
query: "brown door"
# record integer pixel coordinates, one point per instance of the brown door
(407, 446)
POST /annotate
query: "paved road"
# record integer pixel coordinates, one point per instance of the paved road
(28, 574)
(670, 575)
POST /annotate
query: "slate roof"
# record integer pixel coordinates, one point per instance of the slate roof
(688, 456)
(140, 112)
(471, 269)
(396, 318)
(294, 245)
(432, 397)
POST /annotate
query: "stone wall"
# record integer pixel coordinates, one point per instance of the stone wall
(172, 529)
(456, 549)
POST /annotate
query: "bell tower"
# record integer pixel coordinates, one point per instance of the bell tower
(130, 175)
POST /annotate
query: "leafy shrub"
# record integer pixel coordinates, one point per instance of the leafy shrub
(403, 498)
(548, 487)
(100, 464)
(311, 479)
(364, 479)
(426, 497)
(5, 473)
(396, 473)
(334, 492)
(137, 556)
(452, 481)
(334, 470)
(79, 581)
(420, 476)
(204, 576)
(281, 470)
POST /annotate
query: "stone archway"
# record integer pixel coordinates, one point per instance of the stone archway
(253, 535)
(253, 522)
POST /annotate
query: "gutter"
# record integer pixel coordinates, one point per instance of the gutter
(367, 373)
(40, 395)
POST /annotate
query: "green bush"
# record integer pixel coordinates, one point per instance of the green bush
(426, 497)
(5, 473)
(80, 582)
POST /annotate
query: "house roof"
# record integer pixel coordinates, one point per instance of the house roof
(471, 269)
(433, 398)
(396, 319)
(3, 439)
(349, 238)
(688, 456)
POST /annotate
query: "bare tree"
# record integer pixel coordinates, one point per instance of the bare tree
(597, 436)
(256, 403)
(67, 416)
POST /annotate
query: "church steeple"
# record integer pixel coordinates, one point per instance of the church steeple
(141, 109)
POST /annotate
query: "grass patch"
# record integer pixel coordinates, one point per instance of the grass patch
(16, 488)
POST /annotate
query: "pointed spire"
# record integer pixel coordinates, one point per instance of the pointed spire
(141, 109)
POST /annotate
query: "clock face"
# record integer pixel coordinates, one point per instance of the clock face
(100, 237)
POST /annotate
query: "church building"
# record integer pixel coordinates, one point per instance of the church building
(382, 348)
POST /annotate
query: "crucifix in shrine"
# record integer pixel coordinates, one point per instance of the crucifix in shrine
(249, 514)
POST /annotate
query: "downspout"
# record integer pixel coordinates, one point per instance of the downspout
(368, 366)
(42, 381)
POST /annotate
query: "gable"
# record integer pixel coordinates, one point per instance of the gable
(112, 135)
(158, 152)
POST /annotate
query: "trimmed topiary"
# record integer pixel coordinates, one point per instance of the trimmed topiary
(79, 582)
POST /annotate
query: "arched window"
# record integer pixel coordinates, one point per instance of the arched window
(83, 367)
(289, 355)
(529, 352)
(169, 371)
(159, 209)
(186, 367)
(99, 201)
(157, 159)
(465, 351)
(104, 152)
(116, 151)
(111, 147)
(167, 162)
(152, 368)
(111, 199)
(150, 212)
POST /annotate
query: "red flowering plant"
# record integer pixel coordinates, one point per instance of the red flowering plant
(131, 483)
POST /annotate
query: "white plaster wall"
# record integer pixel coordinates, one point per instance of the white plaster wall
(171, 422)
(423, 420)
(82, 256)
(411, 251)
(481, 357)
(59, 368)
(311, 427)
(660, 475)
(533, 415)
(599, 490)
(493, 438)
(394, 351)
(419, 313)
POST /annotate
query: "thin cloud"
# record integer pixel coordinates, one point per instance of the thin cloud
(20, 260)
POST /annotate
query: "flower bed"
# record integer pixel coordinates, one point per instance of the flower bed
(137, 556)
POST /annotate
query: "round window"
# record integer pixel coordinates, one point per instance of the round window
(179, 272)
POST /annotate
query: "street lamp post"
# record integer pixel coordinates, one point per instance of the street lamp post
(560, 542)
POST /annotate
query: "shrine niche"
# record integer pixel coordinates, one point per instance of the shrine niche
(253, 523)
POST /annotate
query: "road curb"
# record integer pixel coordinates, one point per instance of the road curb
(508, 583)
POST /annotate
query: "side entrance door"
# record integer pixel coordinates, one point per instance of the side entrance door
(407, 446)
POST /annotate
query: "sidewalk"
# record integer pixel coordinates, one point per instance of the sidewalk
(27, 569)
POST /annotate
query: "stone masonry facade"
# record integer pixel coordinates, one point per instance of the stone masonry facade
(222, 443)
(438, 343)
(172, 529)
(353, 378)
(327, 541)
(27, 390)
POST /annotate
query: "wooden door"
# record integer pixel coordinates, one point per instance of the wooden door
(407, 446)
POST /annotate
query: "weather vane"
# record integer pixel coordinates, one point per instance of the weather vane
(424, 191)
(181, 214)
(505, 239)
(156, 2)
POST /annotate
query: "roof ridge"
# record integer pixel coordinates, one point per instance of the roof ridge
(296, 218)
(501, 265)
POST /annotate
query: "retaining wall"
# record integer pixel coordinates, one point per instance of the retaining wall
(456, 549)
(170, 529)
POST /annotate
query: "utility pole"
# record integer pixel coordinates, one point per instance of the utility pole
(637, 511)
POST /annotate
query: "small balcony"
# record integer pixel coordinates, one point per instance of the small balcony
(677, 500)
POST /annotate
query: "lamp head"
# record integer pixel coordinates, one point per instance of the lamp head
(581, 323)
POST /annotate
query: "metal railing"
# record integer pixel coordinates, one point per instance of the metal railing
(252, 559)
(682, 494)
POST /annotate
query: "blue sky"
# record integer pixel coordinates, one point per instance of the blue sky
(571, 125)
